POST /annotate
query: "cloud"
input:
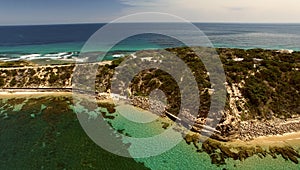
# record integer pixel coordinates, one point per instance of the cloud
(236, 8)
(220, 10)
(141, 3)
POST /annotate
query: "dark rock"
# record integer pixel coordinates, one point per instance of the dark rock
(165, 125)
(188, 138)
(226, 151)
(217, 159)
(107, 117)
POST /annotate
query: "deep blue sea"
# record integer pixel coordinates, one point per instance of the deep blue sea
(56, 40)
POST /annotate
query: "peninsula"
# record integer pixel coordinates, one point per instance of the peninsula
(262, 110)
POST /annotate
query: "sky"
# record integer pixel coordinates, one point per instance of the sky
(30, 12)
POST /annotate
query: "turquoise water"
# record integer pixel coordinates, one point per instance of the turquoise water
(43, 133)
(53, 139)
(42, 48)
(16, 40)
(69, 47)
(184, 156)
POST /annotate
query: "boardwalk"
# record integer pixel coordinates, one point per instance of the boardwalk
(173, 117)
(192, 125)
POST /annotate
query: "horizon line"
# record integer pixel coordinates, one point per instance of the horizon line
(94, 23)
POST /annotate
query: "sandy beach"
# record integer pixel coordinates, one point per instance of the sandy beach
(287, 139)
(8, 95)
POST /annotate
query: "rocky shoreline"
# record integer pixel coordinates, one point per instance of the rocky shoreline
(236, 147)
(242, 130)
(220, 148)
(254, 128)
(220, 151)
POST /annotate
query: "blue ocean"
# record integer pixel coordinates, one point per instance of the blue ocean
(57, 40)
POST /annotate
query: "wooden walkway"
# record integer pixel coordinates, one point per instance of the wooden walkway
(173, 117)
(192, 124)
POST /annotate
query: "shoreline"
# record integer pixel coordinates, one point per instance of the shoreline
(286, 145)
(104, 98)
(32, 93)
(277, 138)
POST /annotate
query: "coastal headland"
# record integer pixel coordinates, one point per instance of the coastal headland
(261, 115)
